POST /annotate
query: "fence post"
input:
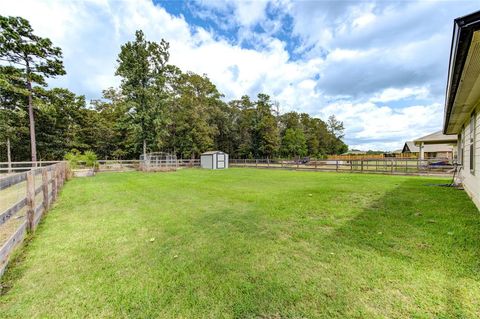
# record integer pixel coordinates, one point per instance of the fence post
(392, 167)
(316, 164)
(298, 163)
(30, 199)
(361, 165)
(62, 173)
(45, 188)
(268, 162)
(245, 163)
(256, 163)
(336, 165)
(54, 183)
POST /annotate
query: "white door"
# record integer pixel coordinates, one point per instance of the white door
(220, 161)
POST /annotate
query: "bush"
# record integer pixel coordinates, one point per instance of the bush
(75, 158)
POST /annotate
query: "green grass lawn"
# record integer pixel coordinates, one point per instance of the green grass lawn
(246, 243)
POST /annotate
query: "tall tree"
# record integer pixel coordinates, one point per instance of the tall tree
(142, 65)
(36, 57)
(294, 143)
(267, 134)
(12, 97)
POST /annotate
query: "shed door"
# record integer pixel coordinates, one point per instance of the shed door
(220, 160)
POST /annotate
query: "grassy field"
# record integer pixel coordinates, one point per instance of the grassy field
(246, 243)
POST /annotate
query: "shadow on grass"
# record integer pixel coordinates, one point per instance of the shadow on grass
(423, 242)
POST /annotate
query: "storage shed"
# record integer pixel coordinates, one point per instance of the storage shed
(214, 160)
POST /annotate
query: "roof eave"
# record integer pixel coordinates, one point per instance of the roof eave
(463, 29)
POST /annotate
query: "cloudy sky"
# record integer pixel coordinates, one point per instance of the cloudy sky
(379, 66)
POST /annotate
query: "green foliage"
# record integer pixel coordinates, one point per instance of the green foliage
(294, 143)
(157, 107)
(143, 66)
(75, 158)
(31, 59)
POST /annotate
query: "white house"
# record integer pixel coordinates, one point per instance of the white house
(462, 104)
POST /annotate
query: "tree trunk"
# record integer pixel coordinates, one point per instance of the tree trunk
(9, 156)
(33, 143)
(144, 149)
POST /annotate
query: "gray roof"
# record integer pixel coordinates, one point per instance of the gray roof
(436, 138)
(427, 148)
(213, 152)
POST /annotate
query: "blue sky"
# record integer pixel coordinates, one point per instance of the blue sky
(379, 66)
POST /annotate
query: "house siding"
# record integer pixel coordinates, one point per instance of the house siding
(471, 179)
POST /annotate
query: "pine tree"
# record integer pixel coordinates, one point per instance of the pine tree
(36, 57)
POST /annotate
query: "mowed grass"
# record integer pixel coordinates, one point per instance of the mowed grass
(246, 243)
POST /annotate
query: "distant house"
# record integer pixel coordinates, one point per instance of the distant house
(435, 145)
(462, 106)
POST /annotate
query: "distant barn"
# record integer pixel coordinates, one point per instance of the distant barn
(214, 160)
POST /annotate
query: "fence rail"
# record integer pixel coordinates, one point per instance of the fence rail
(46, 180)
(403, 166)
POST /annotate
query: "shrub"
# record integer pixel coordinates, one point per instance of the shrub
(75, 158)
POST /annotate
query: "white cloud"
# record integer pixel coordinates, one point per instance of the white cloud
(357, 54)
(384, 127)
(394, 94)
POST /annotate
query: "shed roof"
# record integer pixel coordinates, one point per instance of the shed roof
(212, 152)
(436, 138)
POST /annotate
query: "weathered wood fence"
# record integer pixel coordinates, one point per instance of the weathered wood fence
(103, 165)
(402, 166)
(52, 179)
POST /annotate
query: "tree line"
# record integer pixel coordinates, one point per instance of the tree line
(157, 107)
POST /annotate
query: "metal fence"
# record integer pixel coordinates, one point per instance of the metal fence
(406, 166)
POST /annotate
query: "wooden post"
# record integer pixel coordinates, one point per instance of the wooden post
(30, 199)
(45, 188)
(316, 164)
(245, 163)
(268, 162)
(256, 163)
(336, 165)
(9, 156)
(361, 165)
(392, 167)
(54, 183)
(59, 175)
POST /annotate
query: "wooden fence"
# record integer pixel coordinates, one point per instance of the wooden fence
(52, 179)
(353, 157)
(103, 165)
(403, 166)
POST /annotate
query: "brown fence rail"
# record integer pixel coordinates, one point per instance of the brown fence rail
(403, 166)
(32, 191)
(103, 165)
(348, 157)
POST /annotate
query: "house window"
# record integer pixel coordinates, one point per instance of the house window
(472, 143)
